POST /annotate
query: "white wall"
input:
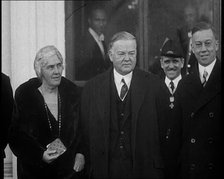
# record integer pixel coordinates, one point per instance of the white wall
(27, 27)
(6, 54)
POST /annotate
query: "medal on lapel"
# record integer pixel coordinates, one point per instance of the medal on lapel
(171, 102)
(171, 99)
(171, 105)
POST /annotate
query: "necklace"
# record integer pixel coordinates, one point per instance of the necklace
(59, 116)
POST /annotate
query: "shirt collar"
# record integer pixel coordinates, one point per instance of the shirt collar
(118, 77)
(175, 81)
(95, 35)
(207, 68)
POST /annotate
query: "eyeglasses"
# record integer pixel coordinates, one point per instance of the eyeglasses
(207, 44)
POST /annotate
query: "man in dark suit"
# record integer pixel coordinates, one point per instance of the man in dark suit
(119, 116)
(184, 35)
(92, 57)
(169, 118)
(200, 97)
(6, 108)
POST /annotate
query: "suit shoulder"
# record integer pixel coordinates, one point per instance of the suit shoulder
(100, 77)
(152, 76)
(185, 81)
(148, 78)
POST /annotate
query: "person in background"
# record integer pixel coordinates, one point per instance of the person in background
(92, 56)
(184, 34)
(6, 108)
(45, 133)
(172, 62)
(119, 117)
(200, 100)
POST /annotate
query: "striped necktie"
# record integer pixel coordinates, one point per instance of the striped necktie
(124, 89)
(204, 78)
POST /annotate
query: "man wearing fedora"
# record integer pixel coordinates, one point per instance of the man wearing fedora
(169, 116)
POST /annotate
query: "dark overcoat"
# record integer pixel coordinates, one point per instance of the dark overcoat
(95, 113)
(202, 125)
(30, 131)
(170, 129)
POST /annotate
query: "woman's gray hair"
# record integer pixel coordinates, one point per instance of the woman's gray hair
(41, 58)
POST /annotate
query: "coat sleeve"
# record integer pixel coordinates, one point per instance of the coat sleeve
(85, 110)
(21, 141)
(7, 107)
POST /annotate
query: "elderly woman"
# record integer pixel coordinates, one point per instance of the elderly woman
(45, 134)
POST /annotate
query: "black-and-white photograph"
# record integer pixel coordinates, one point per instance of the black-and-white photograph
(111, 89)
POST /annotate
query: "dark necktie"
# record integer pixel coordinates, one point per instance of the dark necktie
(171, 86)
(205, 74)
(104, 48)
(124, 89)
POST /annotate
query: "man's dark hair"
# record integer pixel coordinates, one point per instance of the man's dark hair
(202, 25)
(93, 9)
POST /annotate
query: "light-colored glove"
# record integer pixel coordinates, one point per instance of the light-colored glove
(79, 162)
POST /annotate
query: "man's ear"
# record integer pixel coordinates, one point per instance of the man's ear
(110, 55)
(192, 48)
(161, 61)
(182, 62)
(216, 45)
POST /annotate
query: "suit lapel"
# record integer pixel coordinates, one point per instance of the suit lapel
(194, 86)
(166, 89)
(138, 90)
(212, 87)
(103, 104)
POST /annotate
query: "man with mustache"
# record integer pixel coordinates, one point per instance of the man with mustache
(169, 118)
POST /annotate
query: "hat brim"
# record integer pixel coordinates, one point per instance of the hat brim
(172, 55)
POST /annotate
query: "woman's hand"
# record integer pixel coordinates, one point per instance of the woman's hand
(79, 162)
(50, 155)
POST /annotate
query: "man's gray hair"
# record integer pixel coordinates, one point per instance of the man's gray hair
(123, 35)
(42, 55)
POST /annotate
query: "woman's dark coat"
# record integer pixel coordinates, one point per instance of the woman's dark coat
(30, 132)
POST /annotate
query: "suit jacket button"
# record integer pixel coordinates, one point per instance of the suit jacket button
(211, 114)
(192, 166)
(211, 166)
(193, 140)
(210, 140)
